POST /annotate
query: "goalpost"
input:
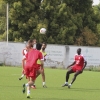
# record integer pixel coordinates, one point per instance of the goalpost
(7, 15)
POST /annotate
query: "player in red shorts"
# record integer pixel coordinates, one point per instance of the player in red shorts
(24, 52)
(77, 67)
(31, 66)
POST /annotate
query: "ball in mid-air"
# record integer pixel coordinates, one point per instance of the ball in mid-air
(43, 30)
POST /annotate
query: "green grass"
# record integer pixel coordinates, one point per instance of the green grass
(86, 87)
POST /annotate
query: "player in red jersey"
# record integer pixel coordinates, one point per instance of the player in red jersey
(31, 66)
(77, 67)
(24, 52)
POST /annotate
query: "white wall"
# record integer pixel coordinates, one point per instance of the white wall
(58, 55)
(12, 54)
(91, 54)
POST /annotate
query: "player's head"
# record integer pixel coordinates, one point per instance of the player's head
(79, 51)
(34, 41)
(38, 46)
(30, 44)
(44, 45)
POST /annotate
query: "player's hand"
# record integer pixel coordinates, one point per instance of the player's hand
(68, 67)
(44, 59)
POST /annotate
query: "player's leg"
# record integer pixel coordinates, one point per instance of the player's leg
(43, 78)
(37, 74)
(30, 83)
(67, 77)
(31, 77)
(74, 78)
(23, 65)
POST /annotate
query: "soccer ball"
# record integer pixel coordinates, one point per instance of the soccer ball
(42, 30)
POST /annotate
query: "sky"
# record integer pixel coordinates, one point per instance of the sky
(96, 2)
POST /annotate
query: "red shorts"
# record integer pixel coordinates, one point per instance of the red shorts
(30, 72)
(38, 67)
(76, 68)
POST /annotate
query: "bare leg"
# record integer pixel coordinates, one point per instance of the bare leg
(67, 77)
(23, 65)
(75, 75)
(68, 74)
(38, 73)
(43, 78)
(30, 83)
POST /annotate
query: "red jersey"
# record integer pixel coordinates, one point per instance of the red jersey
(24, 52)
(79, 59)
(32, 56)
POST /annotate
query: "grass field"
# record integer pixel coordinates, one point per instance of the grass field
(86, 87)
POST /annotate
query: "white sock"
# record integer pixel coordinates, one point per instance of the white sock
(70, 84)
(26, 84)
(66, 82)
(28, 92)
(43, 83)
(22, 75)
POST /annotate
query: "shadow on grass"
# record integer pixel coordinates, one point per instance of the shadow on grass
(85, 89)
(81, 89)
(54, 99)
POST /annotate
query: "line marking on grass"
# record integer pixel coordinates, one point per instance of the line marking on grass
(15, 74)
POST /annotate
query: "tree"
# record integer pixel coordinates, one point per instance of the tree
(96, 9)
(23, 19)
(64, 20)
(87, 38)
(60, 26)
(2, 20)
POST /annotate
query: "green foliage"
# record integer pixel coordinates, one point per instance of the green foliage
(87, 38)
(64, 20)
(2, 19)
(97, 14)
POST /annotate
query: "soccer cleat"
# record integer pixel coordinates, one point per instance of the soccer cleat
(69, 86)
(28, 96)
(20, 78)
(64, 85)
(23, 88)
(33, 87)
(44, 86)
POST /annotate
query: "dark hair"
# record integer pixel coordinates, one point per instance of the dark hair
(38, 46)
(30, 42)
(79, 51)
(44, 43)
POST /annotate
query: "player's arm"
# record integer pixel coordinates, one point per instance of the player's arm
(42, 63)
(23, 62)
(71, 64)
(41, 57)
(45, 57)
(85, 63)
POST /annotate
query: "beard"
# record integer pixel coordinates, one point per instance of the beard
(43, 48)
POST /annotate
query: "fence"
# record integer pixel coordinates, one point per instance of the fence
(59, 56)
